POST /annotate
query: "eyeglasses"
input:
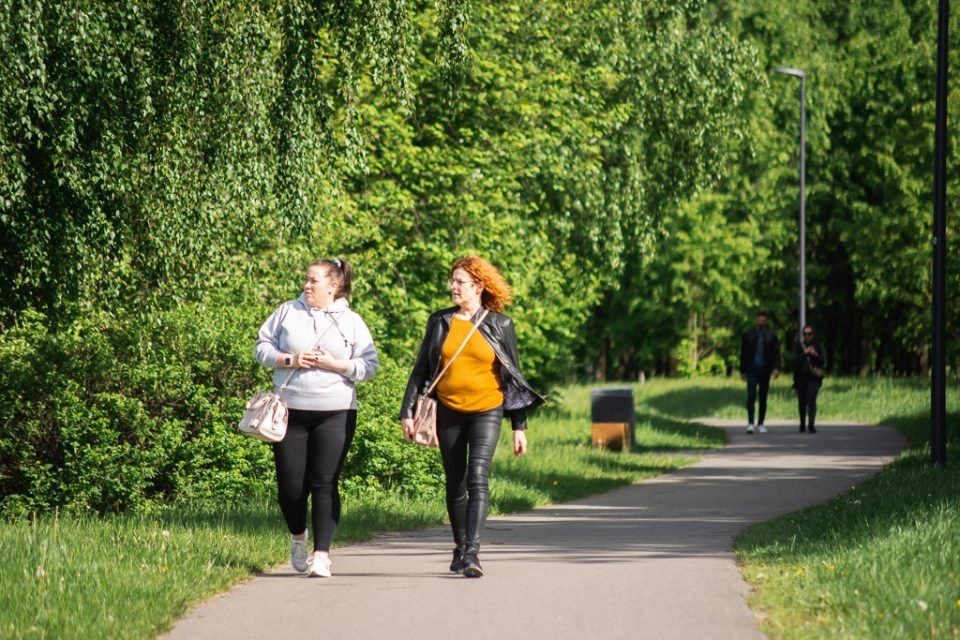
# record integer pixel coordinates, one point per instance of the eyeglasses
(808, 333)
(459, 283)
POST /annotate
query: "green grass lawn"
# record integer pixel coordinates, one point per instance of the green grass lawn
(903, 403)
(132, 576)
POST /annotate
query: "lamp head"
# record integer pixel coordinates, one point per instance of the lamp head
(790, 71)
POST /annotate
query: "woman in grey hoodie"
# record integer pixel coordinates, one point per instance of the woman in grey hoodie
(332, 350)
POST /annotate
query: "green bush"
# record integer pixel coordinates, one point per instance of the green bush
(116, 414)
(83, 442)
(380, 460)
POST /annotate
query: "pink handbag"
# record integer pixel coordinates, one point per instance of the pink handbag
(425, 422)
(425, 411)
(265, 418)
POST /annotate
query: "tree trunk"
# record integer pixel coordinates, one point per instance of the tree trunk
(600, 373)
(693, 330)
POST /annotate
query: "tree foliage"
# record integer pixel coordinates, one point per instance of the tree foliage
(167, 170)
(870, 87)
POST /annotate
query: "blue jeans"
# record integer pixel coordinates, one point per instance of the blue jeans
(757, 379)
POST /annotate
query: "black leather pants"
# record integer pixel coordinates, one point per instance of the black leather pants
(467, 444)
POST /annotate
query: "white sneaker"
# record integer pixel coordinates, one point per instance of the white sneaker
(761, 428)
(320, 567)
(299, 556)
(750, 428)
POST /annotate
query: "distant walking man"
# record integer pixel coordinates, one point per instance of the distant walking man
(759, 359)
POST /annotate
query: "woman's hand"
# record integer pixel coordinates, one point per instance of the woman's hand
(519, 443)
(324, 360)
(407, 424)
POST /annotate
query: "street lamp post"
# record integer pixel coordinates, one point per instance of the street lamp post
(938, 381)
(790, 71)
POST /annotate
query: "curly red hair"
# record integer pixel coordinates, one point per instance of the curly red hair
(496, 292)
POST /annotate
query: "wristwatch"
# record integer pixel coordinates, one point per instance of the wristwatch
(288, 361)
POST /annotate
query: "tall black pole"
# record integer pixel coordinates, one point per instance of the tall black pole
(803, 206)
(938, 398)
(802, 217)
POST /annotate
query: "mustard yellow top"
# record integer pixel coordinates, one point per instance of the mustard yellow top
(472, 384)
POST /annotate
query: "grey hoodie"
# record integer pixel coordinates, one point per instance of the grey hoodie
(294, 327)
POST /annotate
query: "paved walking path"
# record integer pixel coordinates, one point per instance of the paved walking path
(651, 560)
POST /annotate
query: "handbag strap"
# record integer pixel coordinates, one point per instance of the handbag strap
(464, 344)
(315, 345)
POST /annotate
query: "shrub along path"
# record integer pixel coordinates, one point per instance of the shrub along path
(652, 559)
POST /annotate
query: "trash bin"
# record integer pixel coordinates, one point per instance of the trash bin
(611, 406)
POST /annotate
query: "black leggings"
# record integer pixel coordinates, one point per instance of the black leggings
(467, 444)
(807, 390)
(308, 462)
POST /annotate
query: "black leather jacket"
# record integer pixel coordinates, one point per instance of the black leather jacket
(497, 328)
(802, 362)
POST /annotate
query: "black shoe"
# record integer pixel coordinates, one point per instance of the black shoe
(812, 429)
(803, 429)
(471, 565)
(457, 565)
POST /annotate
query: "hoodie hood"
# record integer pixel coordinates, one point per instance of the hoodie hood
(340, 304)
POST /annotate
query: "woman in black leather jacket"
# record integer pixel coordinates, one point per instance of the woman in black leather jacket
(482, 385)
(808, 364)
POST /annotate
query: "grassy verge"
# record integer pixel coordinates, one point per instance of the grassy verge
(882, 560)
(132, 576)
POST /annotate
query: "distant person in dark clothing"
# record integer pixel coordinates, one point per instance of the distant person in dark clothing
(807, 376)
(759, 359)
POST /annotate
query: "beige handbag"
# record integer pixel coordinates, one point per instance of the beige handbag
(266, 415)
(265, 418)
(425, 411)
